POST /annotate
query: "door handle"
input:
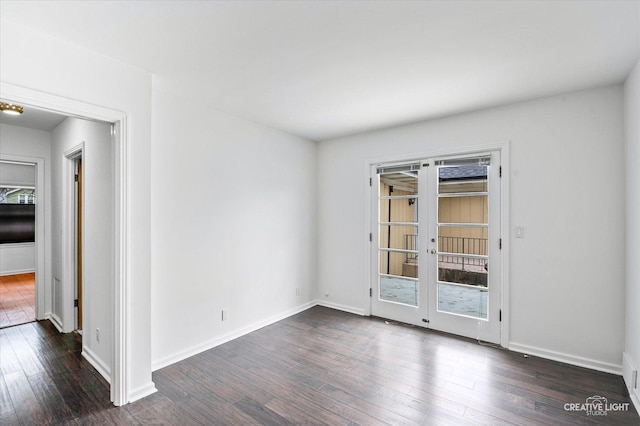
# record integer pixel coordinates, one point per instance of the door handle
(433, 251)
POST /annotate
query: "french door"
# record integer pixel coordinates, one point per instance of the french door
(436, 244)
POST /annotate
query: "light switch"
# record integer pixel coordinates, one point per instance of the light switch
(519, 231)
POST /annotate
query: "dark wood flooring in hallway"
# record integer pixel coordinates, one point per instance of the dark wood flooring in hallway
(318, 367)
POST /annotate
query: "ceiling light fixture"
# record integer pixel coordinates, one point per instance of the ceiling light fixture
(11, 109)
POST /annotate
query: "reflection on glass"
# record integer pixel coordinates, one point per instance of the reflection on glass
(462, 300)
(400, 290)
(462, 179)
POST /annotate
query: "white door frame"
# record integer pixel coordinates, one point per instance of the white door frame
(503, 147)
(69, 235)
(120, 315)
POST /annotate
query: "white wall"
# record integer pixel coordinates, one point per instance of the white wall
(233, 225)
(632, 154)
(29, 144)
(37, 61)
(98, 235)
(18, 258)
(567, 274)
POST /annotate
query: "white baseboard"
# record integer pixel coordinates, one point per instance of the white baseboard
(339, 307)
(635, 398)
(142, 391)
(97, 363)
(631, 381)
(567, 358)
(179, 356)
(17, 272)
(56, 321)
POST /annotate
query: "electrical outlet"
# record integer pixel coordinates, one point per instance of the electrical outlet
(225, 314)
(98, 335)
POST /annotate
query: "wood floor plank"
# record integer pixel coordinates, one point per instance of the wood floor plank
(281, 378)
(6, 406)
(261, 413)
(51, 401)
(26, 405)
(302, 411)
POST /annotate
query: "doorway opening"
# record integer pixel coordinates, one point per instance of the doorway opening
(77, 302)
(437, 248)
(18, 208)
(115, 301)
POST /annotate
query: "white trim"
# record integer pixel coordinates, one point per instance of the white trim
(18, 245)
(55, 320)
(69, 244)
(16, 272)
(97, 363)
(344, 308)
(142, 391)
(628, 367)
(448, 152)
(194, 350)
(42, 100)
(579, 361)
(505, 226)
(41, 240)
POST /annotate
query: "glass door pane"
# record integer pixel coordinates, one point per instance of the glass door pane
(462, 235)
(398, 238)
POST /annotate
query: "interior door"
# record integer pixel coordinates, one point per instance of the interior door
(79, 221)
(464, 261)
(436, 244)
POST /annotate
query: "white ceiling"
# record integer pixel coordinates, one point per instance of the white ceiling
(323, 69)
(34, 118)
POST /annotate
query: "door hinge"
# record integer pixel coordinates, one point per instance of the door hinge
(425, 320)
(370, 292)
(500, 244)
(370, 181)
(500, 171)
(500, 315)
(75, 178)
(75, 303)
(370, 236)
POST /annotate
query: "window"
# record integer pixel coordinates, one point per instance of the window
(17, 215)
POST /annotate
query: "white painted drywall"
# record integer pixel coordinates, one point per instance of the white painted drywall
(37, 61)
(632, 154)
(16, 141)
(98, 233)
(567, 175)
(233, 225)
(17, 258)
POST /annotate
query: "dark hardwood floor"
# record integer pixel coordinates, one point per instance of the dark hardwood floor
(318, 367)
